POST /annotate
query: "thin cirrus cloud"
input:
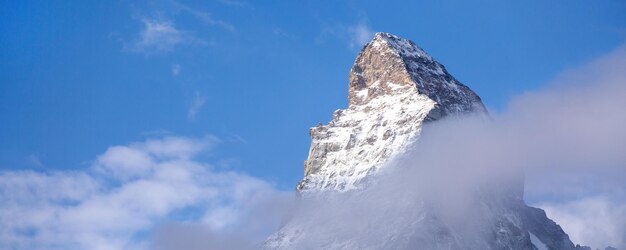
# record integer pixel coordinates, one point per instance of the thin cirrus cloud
(160, 36)
(131, 195)
(160, 33)
(197, 103)
(235, 3)
(359, 34)
(176, 69)
(204, 16)
(354, 36)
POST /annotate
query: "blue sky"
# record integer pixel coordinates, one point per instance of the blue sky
(79, 77)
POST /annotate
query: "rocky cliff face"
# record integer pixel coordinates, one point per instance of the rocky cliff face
(395, 88)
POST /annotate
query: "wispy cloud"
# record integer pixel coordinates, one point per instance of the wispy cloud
(204, 16)
(238, 139)
(160, 32)
(596, 220)
(176, 69)
(280, 32)
(355, 35)
(196, 104)
(160, 36)
(235, 3)
(137, 196)
(34, 160)
(359, 34)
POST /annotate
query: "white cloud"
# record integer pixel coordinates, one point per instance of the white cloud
(160, 33)
(196, 104)
(592, 221)
(360, 34)
(129, 194)
(160, 36)
(354, 36)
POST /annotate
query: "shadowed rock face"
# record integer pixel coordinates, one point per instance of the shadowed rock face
(394, 88)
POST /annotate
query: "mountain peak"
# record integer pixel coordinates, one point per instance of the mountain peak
(404, 47)
(394, 89)
(390, 58)
(394, 86)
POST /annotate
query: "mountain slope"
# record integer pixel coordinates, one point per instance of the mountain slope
(395, 88)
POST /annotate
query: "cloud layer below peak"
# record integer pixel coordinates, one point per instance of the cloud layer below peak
(130, 195)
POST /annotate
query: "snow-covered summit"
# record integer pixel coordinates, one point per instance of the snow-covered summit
(394, 86)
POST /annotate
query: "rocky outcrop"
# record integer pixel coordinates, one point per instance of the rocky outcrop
(394, 86)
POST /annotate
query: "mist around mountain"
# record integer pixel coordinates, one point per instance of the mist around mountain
(460, 185)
